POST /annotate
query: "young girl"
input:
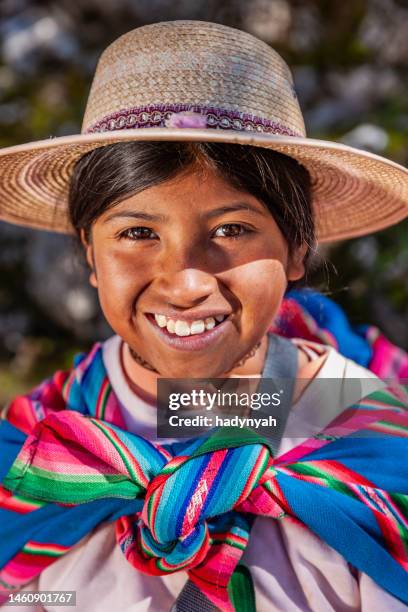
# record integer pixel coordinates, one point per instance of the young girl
(198, 200)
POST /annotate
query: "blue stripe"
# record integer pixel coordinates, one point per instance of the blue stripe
(173, 495)
(349, 527)
(60, 525)
(390, 509)
(232, 481)
(216, 482)
(364, 457)
(92, 380)
(11, 441)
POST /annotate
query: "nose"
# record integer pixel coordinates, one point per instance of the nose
(185, 279)
(188, 287)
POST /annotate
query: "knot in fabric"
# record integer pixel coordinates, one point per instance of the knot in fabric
(168, 538)
(186, 502)
(190, 503)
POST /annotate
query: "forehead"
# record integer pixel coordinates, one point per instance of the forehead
(201, 192)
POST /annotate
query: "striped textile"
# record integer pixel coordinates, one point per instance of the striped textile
(68, 464)
(312, 316)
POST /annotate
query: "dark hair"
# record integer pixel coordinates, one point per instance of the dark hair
(105, 176)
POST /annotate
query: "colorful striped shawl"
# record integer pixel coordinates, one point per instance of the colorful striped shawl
(68, 464)
(307, 314)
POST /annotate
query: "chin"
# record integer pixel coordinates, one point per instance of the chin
(191, 371)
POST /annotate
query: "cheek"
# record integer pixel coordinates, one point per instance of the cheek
(259, 286)
(120, 280)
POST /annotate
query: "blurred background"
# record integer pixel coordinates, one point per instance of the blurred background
(349, 61)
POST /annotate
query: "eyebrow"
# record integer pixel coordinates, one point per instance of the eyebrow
(143, 216)
(135, 214)
(233, 208)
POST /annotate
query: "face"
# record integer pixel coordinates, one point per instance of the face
(190, 250)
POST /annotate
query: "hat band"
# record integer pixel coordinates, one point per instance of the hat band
(156, 115)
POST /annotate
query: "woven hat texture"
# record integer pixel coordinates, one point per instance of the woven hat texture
(203, 82)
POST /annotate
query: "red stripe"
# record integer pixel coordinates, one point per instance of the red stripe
(249, 484)
(201, 491)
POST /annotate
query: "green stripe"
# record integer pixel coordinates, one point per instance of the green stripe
(385, 397)
(231, 542)
(45, 553)
(125, 460)
(230, 437)
(169, 469)
(47, 486)
(105, 401)
(260, 470)
(60, 476)
(401, 501)
(241, 589)
(148, 552)
(149, 507)
(268, 486)
(333, 482)
(65, 385)
(323, 436)
(392, 426)
(28, 500)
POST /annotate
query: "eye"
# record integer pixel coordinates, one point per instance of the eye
(137, 233)
(231, 230)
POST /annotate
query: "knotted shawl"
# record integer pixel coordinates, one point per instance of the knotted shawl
(67, 464)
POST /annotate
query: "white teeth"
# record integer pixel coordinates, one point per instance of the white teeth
(160, 320)
(209, 322)
(197, 327)
(182, 328)
(171, 326)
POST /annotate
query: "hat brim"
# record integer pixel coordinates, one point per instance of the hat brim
(354, 192)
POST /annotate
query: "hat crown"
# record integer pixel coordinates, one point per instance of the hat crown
(184, 77)
(234, 79)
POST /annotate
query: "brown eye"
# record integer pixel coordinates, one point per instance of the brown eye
(137, 233)
(231, 230)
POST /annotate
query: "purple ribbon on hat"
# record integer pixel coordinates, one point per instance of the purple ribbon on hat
(183, 116)
(186, 119)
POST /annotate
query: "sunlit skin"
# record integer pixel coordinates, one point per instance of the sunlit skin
(190, 258)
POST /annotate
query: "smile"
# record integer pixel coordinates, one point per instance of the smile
(194, 335)
(184, 328)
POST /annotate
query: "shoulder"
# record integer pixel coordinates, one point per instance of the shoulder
(333, 374)
(336, 364)
(60, 391)
(25, 411)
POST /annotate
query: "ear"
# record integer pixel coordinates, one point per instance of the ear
(89, 253)
(296, 268)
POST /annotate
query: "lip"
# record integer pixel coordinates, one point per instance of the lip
(196, 342)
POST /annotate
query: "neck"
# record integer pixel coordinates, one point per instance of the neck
(146, 378)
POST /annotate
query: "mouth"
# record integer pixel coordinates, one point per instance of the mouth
(193, 336)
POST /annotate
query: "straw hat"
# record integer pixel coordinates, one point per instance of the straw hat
(198, 81)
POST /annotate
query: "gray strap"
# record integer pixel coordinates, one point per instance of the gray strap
(191, 599)
(281, 358)
(279, 374)
(280, 363)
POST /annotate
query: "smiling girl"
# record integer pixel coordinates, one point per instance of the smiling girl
(198, 201)
(210, 257)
